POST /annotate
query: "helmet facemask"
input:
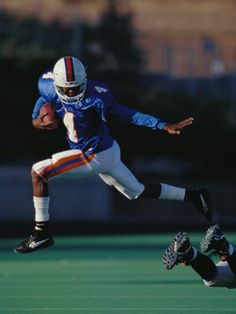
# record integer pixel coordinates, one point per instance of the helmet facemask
(64, 92)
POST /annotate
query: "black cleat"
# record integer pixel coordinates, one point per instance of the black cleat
(201, 200)
(177, 251)
(39, 239)
(214, 241)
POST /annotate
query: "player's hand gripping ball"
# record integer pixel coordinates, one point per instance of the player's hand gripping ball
(48, 118)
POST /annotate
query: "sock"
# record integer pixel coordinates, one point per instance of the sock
(192, 254)
(190, 195)
(204, 266)
(41, 205)
(169, 192)
(41, 225)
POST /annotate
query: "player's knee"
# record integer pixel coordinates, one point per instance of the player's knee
(38, 169)
(34, 174)
(130, 196)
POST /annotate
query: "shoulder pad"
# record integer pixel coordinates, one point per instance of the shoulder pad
(46, 88)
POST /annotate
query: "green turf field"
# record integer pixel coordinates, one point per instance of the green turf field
(104, 274)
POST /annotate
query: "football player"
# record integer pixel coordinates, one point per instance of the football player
(85, 107)
(223, 274)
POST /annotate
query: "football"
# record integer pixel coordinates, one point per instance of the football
(48, 116)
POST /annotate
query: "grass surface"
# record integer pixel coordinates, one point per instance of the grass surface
(104, 274)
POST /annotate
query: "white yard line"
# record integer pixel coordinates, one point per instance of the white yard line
(117, 297)
(202, 310)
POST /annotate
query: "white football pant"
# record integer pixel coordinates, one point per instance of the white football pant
(224, 278)
(106, 164)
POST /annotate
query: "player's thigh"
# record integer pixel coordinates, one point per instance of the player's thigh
(123, 180)
(67, 162)
(109, 158)
(76, 162)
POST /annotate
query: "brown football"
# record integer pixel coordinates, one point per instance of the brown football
(48, 115)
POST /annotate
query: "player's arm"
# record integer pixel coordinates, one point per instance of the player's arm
(146, 120)
(43, 116)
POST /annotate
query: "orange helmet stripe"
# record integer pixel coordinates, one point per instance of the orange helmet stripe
(70, 74)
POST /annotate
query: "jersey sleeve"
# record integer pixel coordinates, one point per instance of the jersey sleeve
(113, 110)
(135, 117)
(38, 106)
(47, 92)
(147, 120)
(46, 88)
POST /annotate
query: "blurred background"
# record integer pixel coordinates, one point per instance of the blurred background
(172, 59)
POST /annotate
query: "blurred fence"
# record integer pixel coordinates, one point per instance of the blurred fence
(89, 206)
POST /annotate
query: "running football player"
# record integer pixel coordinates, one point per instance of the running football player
(223, 274)
(85, 107)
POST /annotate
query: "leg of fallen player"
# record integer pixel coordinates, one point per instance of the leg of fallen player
(222, 274)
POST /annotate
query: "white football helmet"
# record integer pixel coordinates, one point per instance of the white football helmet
(69, 73)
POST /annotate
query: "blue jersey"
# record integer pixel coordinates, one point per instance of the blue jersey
(86, 121)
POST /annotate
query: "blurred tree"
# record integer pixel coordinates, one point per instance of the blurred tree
(116, 35)
(111, 50)
(29, 39)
